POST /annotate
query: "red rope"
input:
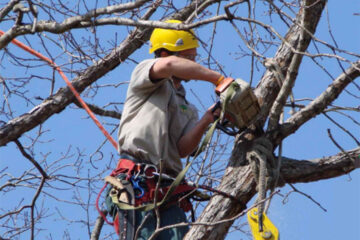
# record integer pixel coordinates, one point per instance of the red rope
(97, 206)
(73, 90)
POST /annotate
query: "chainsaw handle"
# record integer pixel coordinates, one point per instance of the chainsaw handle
(217, 105)
(220, 126)
(226, 130)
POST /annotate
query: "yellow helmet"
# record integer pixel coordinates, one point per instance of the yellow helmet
(172, 40)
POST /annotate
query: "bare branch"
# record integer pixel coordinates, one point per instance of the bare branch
(33, 202)
(342, 128)
(304, 194)
(296, 171)
(100, 111)
(319, 104)
(5, 10)
(95, 234)
(31, 159)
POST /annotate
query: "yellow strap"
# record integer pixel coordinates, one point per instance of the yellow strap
(270, 232)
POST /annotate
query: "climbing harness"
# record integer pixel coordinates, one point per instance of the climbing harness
(144, 187)
(124, 221)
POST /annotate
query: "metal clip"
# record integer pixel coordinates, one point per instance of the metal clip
(149, 171)
(138, 190)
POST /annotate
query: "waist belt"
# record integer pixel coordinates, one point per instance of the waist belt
(126, 155)
(142, 173)
(133, 168)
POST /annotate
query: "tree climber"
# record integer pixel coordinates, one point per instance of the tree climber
(158, 127)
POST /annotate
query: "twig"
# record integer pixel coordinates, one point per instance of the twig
(141, 225)
(304, 194)
(342, 128)
(100, 111)
(43, 179)
(338, 145)
(32, 160)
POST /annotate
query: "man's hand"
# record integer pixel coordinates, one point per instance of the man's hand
(212, 113)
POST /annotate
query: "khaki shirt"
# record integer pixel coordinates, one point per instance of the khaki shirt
(155, 117)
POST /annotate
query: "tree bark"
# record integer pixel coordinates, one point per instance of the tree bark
(296, 171)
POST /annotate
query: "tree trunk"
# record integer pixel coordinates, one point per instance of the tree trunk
(238, 179)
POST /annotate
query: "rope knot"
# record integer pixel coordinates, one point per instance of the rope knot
(263, 165)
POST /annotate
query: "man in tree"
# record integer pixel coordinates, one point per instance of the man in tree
(159, 126)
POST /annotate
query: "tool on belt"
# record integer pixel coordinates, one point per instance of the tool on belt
(134, 187)
(239, 103)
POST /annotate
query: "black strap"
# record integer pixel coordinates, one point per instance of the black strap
(126, 155)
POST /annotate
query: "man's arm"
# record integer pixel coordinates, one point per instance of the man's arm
(187, 143)
(182, 68)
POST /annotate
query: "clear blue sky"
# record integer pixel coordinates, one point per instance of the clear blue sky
(297, 219)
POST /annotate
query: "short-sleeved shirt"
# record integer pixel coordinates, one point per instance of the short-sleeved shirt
(155, 117)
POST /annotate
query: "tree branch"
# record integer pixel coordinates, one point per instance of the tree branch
(268, 89)
(319, 104)
(95, 234)
(303, 171)
(88, 20)
(5, 10)
(100, 111)
(31, 159)
(67, 24)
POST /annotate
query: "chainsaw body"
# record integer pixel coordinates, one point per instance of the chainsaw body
(241, 106)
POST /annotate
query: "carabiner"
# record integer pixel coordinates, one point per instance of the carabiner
(149, 171)
(139, 191)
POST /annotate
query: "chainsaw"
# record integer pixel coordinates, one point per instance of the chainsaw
(239, 103)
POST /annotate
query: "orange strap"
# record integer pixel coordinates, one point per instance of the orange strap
(73, 90)
(223, 85)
